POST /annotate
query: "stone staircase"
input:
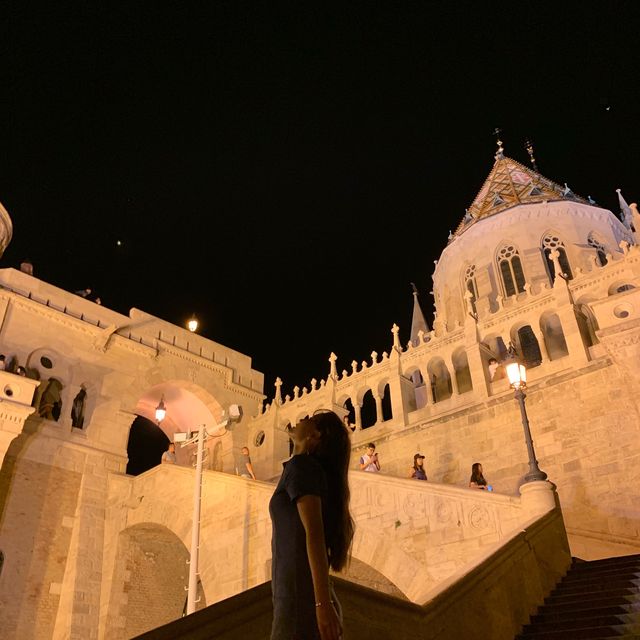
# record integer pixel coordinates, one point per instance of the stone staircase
(598, 599)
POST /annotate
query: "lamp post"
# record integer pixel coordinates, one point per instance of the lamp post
(192, 324)
(517, 374)
(198, 438)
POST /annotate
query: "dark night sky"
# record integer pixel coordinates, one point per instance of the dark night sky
(286, 169)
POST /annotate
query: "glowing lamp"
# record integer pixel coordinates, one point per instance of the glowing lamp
(517, 374)
(192, 325)
(161, 411)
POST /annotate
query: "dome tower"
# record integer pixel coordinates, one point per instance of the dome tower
(504, 245)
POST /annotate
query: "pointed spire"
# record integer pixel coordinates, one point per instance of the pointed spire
(625, 210)
(418, 322)
(278, 398)
(333, 372)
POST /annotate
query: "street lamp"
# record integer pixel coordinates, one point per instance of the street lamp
(234, 413)
(161, 411)
(192, 325)
(517, 374)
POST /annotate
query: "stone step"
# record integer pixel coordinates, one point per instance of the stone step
(620, 632)
(586, 610)
(603, 600)
(580, 596)
(589, 622)
(594, 587)
(580, 565)
(604, 574)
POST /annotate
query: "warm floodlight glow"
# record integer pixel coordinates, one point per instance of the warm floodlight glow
(161, 411)
(192, 325)
(517, 374)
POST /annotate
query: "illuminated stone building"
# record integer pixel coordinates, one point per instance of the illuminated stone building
(90, 552)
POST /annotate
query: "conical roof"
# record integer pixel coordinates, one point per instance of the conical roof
(509, 184)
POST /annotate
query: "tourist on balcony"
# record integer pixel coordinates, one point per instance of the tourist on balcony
(477, 480)
(417, 472)
(312, 531)
(369, 461)
(247, 467)
(169, 456)
(351, 427)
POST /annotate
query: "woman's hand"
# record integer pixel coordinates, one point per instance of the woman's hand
(328, 622)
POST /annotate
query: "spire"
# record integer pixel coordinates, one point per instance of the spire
(418, 322)
(500, 152)
(528, 145)
(625, 211)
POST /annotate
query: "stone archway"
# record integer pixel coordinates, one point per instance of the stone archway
(149, 579)
(364, 574)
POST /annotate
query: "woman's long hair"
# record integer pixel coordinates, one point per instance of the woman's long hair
(476, 476)
(333, 452)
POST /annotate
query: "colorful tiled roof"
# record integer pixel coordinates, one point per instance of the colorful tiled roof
(509, 184)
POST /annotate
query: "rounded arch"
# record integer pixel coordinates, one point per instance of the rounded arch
(620, 286)
(509, 263)
(368, 412)
(460, 363)
(550, 241)
(553, 335)
(469, 286)
(149, 579)
(439, 379)
(596, 241)
(187, 407)
(526, 344)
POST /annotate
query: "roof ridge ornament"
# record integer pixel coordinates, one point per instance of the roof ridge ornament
(528, 145)
(500, 153)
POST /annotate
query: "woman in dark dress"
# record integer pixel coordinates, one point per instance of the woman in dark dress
(477, 480)
(312, 531)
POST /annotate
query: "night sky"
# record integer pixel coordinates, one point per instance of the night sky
(286, 169)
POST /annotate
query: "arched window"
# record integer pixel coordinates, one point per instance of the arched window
(549, 243)
(511, 270)
(600, 249)
(471, 286)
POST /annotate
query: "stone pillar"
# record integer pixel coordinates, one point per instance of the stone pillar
(454, 382)
(16, 395)
(379, 416)
(357, 409)
(538, 497)
(541, 343)
(479, 375)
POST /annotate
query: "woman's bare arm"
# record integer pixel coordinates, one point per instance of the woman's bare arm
(310, 511)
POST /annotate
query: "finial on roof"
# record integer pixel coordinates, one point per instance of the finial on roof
(566, 192)
(625, 210)
(591, 200)
(450, 237)
(500, 153)
(414, 288)
(528, 145)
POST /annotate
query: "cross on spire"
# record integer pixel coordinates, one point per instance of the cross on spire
(528, 145)
(496, 132)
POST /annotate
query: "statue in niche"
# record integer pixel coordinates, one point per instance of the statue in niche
(51, 402)
(77, 409)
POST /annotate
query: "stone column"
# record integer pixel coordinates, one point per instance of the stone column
(379, 416)
(454, 382)
(16, 395)
(357, 408)
(541, 343)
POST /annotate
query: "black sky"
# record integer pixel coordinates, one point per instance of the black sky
(285, 170)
